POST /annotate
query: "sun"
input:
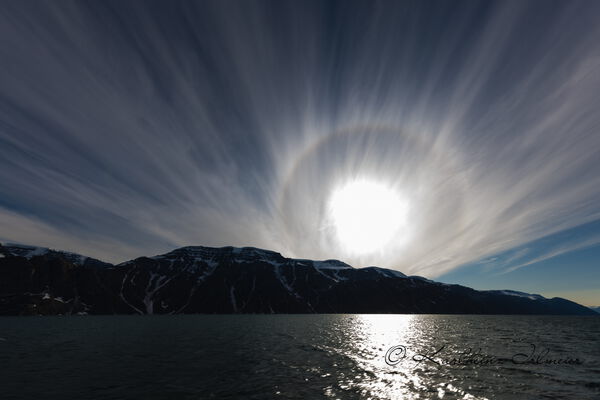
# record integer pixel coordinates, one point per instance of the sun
(367, 216)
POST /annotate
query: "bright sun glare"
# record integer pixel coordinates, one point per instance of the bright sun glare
(367, 216)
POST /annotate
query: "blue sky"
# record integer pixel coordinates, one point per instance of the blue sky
(562, 265)
(132, 128)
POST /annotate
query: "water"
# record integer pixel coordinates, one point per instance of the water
(295, 357)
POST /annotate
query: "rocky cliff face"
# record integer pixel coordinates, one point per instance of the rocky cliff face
(38, 281)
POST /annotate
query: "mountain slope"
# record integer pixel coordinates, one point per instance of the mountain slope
(37, 281)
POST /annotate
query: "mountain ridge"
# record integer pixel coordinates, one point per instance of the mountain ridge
(199, 279)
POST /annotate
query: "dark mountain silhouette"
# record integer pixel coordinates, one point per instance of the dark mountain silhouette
(39, 281)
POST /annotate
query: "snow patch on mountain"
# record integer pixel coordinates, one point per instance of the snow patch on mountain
(29, 252)
(517, 294)
(387, 273)
(330, 264)
(284, 282)
(421, 278)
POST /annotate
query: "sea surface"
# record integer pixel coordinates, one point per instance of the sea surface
(300, 357)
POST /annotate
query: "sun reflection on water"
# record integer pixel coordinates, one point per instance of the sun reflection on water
(368, 339)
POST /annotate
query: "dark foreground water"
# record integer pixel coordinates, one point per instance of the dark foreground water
(300, 357)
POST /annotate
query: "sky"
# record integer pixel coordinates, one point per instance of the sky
(130, 128)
